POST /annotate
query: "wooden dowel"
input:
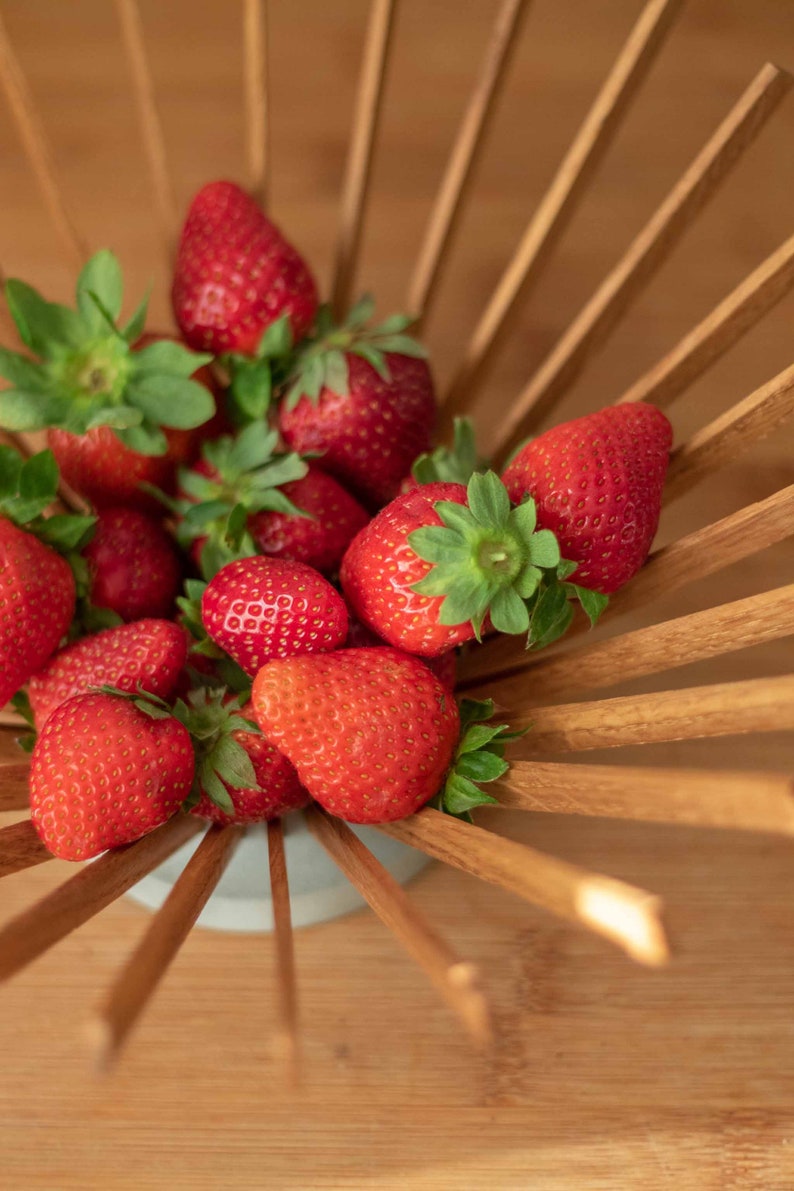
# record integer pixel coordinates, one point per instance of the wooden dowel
(561, 199)
(359, 161)
(722, 709)
(85, 894)
(697, 797)
(456, 981)
(285, 951)
(650, 248)
(36, 146)
(735, 431)
(621, 913)
(722, 629)
(14, 795)
(149, 118)
(20, 847)
(718, 332)
(10, 718)
(136, 982)
(257, 139)
(470, 139)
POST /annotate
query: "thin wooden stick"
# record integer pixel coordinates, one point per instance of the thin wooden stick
(650, 248)
(85, 894)
(465, 153)
(257, 138)
(36, 146)
(725, 628)
(722, 709)
(622, 913)
(719, 330)
(139, 977)
(10, 718)
(285, 951)
(559, 203)
(20, 847)
(697, 797)
(735, 431)
(149, 117)
(456, 981)
(359, 161)
(14, 794)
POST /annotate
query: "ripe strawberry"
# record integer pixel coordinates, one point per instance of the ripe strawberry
(597, 482)
(147, 655)
(134, 565)
(235, 274)
(103, 773)
(445, 666)
(261, 608)
(371, 732)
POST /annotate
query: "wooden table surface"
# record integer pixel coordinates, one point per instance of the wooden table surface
(604, 1075)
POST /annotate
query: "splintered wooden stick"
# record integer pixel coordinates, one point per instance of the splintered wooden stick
(722, 709)
(723, 629)
(735, 431)
(285, 950)
(20, 847)
(650, 248)
(148, 117)
(136, 982)
(256, 106)
(359, 160)
(561, 199)
(622, 913)
(14, 794)
(465, 152)
(718, 332)
(696, 797)
(36, 146)
(456, 981)
(85, 894)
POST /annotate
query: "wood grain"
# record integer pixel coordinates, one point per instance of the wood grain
(288, 1016)
(14, 786)
(20, 848)
(257, 112)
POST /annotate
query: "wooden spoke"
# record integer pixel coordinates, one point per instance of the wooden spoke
(650, 248)
(696, 797)
(622, 913)
(285, 950)
(362, 142)
(257, 139)
(456, 981)
(85, 894)
(20, 847)
(14, 786)
(561, 199)
(136, 982)
(470, 139)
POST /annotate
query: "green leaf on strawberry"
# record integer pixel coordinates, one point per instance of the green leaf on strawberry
(211, 716)
(450, 465)
(479, 757)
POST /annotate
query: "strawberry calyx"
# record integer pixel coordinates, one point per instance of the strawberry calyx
(479, 758)
(87, 373)
(253, 379)
(450, 465)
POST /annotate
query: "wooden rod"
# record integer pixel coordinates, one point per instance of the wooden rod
(359, 161)
(20, 847)
(257, 128)
(456, 982)
(90, 890)
(721, 709)
(14, 795)
(149, 118)
(289, 1030)
(36, 146)
(135, 984)
(621, 913)
(626, 281)
(696, 797)
(559, 203)
(455, 184)
(719, 330)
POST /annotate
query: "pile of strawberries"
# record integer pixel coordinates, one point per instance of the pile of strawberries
(264, 602)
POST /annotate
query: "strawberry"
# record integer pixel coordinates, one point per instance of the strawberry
(134, 566)
(236, 275)
(147, 655)
(104, 772)
(597, 482)
(261, 608)
(445, 666)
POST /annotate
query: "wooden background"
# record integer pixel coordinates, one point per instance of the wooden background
(604, 1075)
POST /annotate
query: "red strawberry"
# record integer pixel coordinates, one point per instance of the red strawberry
(597, 482)
(103, 773)
(37, 602)
(135, 568)
(261, 608)
(445, 666)
(147, 655)
(371, 732)
(236, 274)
